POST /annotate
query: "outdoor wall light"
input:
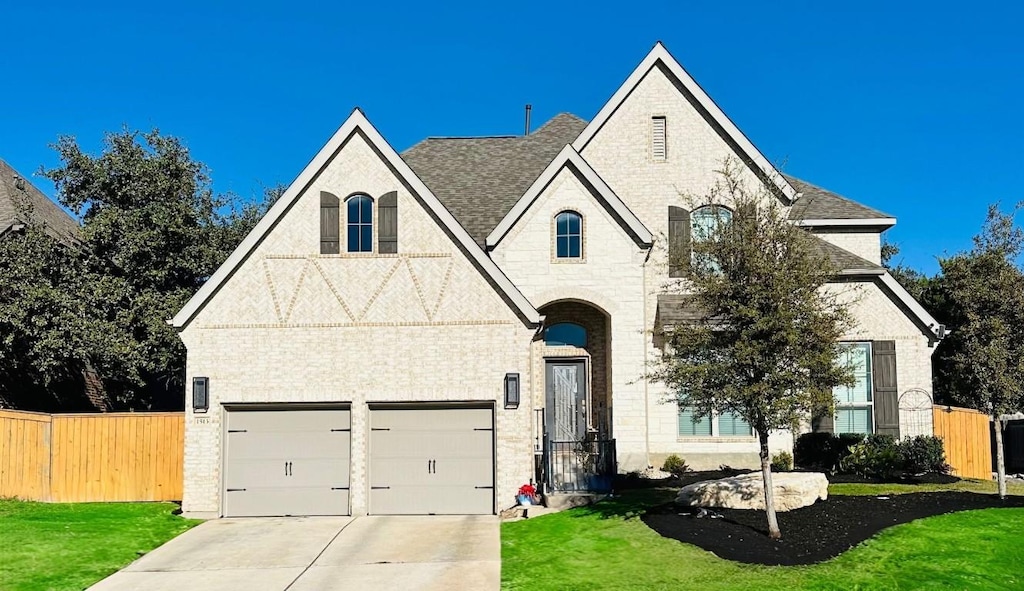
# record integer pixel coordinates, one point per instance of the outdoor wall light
(511, 390)
(200, 394)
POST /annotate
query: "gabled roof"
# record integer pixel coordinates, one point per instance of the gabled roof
(570, 158)
(479, 179)
(357, 123)
(660, 55)
(820, 207)
(16, 193)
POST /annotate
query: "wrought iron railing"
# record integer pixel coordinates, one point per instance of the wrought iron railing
(578, 466)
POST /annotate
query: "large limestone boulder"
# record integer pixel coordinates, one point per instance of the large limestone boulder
(792, 491)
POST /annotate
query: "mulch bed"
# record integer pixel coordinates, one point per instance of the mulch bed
(811, 534)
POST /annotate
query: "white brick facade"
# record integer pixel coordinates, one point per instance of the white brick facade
(291, 325)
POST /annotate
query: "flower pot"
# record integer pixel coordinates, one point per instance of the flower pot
(524, 500)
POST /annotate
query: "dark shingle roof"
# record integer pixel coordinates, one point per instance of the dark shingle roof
(843, 259)
(819, 204)
(12, 200)
(675, 309)
(479, 179)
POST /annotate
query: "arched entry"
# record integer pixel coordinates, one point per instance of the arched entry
(579, 453)
(579, 333)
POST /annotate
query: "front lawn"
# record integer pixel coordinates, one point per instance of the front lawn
(607, 546)
(52, 547)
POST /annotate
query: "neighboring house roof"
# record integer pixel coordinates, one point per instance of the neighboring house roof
(820, 207)
(479, 179)
(358, 123)
(570, 158)
(660, 55)
(16, 191)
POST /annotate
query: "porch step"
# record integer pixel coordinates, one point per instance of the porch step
(562, 501)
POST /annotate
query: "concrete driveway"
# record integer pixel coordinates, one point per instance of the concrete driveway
(322, 553)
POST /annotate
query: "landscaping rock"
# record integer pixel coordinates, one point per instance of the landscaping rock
(792, 491)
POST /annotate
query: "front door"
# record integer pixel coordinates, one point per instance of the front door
(566, 415)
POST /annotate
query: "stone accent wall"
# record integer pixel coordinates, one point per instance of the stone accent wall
(291, 325)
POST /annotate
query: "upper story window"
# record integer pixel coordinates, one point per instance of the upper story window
(854, 404)
(659, 139)
(359, 221)
(568, 235)
(565, 333)
(330, 224)
(705, 223)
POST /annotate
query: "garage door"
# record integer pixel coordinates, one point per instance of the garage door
(431, 461)
(282, 461)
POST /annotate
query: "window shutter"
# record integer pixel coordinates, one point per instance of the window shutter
(659, 141)
(387, 234)
(886, 395)
(678, 241)
(330, 224)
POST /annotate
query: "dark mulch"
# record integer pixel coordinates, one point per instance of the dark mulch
(811, 534)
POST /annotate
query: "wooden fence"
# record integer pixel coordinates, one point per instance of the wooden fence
(91, 457)
(965, 436)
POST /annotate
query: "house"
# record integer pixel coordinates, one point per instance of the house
(425, 332)
(23, 204)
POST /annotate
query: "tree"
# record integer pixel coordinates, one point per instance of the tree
(153, 232)
(980, 364)
(914, 281)
(766, 344)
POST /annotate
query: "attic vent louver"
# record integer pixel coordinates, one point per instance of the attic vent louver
(659, 143)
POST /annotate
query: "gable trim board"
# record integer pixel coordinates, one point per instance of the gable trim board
(570, 158)
(824, 223)
(659, 54)
(358, 123)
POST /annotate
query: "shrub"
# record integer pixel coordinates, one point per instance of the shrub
(824, 451)
(675, 465)
(922, 454)
(812, 450)
(878, 456)
(782, 462)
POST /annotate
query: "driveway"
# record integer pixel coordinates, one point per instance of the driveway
(322, 553)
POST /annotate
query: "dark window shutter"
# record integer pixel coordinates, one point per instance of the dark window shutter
(330, 224)
(678, 241)
(387, 233)
(886, 395)
(822, 423)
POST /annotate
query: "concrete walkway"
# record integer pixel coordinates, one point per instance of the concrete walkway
(322, 553)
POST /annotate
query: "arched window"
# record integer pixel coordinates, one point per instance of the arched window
(565, 333)
(568, 235)
(705, 224)
(360, 223)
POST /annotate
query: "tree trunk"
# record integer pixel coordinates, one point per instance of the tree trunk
(1000, 466)
(769, 492)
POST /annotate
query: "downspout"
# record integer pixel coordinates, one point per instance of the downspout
(643, 337)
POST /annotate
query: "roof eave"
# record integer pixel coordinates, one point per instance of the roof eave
(846, 222)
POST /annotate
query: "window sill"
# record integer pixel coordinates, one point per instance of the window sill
(717, 439)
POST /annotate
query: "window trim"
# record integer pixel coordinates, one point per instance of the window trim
(870, 404)
(581, 237)
(695, 237)
(359, 224)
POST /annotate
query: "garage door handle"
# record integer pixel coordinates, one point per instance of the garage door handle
(480, 487)
(287, 468)
(236, 490)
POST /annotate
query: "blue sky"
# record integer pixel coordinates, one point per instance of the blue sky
(911, 107)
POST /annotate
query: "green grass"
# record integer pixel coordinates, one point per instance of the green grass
(606, 546)
(978, 486)
(50, 547)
